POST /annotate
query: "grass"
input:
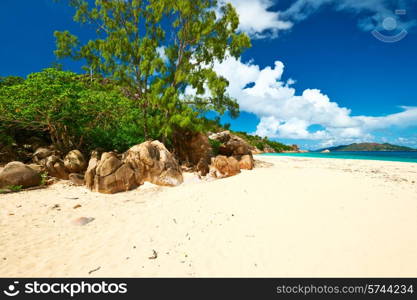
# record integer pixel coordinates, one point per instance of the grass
(11, 188)
(44, 177)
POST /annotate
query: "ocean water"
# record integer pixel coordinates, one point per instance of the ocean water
(404, 156)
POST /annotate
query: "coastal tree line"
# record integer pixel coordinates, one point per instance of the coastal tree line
(144, 57)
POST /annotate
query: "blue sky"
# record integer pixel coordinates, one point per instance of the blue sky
(316, 74)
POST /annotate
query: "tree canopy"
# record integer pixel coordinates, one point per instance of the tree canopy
(154, 50)
(72, 110)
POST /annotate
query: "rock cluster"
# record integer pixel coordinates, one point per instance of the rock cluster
(149, 161)
(110, 172)
(55, 166)
(44, 160)
(234, 154)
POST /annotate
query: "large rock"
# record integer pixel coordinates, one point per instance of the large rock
(37, 168)
(222, 137)
(193, 150)
(197, 147)
(41, 154)
(232, 145)
(149, 161)
(18, 174)
(152, 162)
(91, 170)
(203, 166)
(235, 146)
(223, 166)
(56, 168)
(75, 162)
(113, 176)
(50, 160)
(246, 162)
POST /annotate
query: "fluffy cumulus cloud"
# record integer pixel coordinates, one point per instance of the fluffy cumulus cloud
(260, 20)
(257, 19)
(284, 113)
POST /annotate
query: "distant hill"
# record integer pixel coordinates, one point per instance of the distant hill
(369, 147)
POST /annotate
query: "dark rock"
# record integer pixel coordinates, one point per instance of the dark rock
(18, 174)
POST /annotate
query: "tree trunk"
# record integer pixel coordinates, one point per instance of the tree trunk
(145, 119)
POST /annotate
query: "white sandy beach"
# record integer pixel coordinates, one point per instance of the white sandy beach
(301, 217)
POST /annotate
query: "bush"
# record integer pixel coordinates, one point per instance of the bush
(278, 147)
(260, 146)
(215, 145)
(74, 111)
(5, 139)
(261, 143)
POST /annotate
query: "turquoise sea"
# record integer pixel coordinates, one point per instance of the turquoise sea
(404, 156)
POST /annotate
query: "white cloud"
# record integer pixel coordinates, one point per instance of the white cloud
(284, 114)
(411, 142)
(257, 19)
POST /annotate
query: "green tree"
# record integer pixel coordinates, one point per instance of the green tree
(155, 49)
(73, 111)
(10, 80)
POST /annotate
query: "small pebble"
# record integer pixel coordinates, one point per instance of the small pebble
(82, 221)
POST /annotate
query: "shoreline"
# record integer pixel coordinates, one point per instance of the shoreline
(348, 155)
(301, 217)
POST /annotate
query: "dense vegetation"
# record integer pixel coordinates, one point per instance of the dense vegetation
(78, 111)
(143, 63)
(263, 143)
(70, 110)
(370, 147)
(156, 50)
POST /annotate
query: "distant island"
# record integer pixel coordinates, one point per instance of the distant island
(368, 147)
